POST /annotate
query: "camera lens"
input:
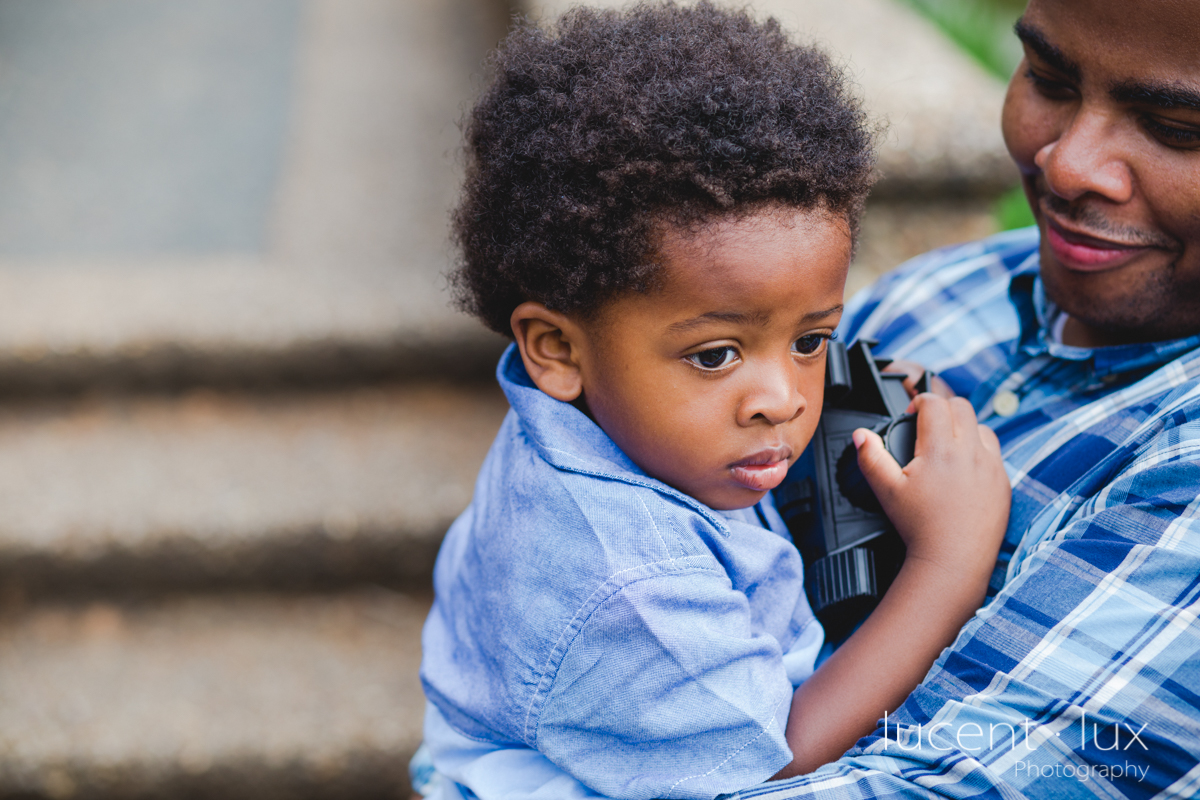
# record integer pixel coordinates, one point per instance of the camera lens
(900, 438)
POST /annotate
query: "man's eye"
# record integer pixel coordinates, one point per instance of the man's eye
(1172, 135)
(811, 344)
(715, 358)
(1048, 87)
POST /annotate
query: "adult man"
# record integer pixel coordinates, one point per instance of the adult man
(1078, 344)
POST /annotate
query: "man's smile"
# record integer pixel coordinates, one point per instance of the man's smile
(1085, 253)
(1083, 241)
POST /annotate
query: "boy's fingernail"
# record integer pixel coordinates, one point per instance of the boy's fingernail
(859, 436)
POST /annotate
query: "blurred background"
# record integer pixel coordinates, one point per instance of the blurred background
(236, 411)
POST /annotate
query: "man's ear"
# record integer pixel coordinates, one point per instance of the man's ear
(551, 345)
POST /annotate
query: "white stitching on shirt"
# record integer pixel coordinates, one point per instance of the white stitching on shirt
(728, 758)
(698, 507)
(657, 532)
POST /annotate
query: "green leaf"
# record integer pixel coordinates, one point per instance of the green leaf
(982, 28)
(1012, 210)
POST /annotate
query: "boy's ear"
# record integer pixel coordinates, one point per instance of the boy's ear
(551, 346)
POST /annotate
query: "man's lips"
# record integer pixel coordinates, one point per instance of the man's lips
(764, 470)
(1087, 253)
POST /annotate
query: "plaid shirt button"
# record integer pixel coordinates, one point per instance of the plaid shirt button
(1006, 403)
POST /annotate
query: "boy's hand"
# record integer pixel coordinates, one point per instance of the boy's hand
(913, 372)
(950, 503)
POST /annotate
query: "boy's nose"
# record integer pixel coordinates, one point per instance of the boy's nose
(774, 396)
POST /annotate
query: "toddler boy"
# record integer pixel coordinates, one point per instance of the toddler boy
(660, 209)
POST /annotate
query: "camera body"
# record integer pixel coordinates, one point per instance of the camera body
(851, 551)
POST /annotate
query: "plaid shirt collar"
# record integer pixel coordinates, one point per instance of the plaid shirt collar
(1038, 313)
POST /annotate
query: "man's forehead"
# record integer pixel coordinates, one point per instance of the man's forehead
(1130, 40)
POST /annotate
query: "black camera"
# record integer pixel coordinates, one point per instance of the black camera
(851, 551)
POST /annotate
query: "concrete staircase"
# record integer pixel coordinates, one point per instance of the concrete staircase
(226, 464)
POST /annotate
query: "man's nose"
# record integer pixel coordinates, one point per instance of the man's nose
(774, 395)
(1087, 157)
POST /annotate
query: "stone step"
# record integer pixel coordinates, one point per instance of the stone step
(172, 233)
(147, 494)
(238, 696)
(269, 207)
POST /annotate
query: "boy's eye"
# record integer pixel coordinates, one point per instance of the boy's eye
(811, 344)
(715, 358)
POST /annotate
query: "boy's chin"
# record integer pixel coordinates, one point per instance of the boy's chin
(732, 499)
(721, 493)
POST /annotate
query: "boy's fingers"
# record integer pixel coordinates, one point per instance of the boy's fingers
(990, 441)
(933, 421)
(963, 416)
(941, 388)
(912, 372)
(876, 463)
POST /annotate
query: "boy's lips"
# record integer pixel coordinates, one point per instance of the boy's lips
(764, 470)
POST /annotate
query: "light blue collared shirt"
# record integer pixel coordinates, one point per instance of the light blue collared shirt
(598, 632)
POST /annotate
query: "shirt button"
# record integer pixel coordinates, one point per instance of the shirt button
(1006, 403)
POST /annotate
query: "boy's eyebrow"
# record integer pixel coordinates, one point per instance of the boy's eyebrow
(733, 317)
(742, 318)
(1036, 41)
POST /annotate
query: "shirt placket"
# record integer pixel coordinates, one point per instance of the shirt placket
(1007, 386)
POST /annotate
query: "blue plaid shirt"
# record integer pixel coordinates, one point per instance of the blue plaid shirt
(1081, 676)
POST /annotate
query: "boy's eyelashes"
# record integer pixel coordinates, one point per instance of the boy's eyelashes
(717, 358)
(811, 343)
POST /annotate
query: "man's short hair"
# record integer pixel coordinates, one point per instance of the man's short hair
(597, 131)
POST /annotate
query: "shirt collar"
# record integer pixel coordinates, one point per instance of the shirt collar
(1037, 314)
(568, 439)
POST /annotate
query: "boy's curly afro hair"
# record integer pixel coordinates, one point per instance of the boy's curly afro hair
(596, 132)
